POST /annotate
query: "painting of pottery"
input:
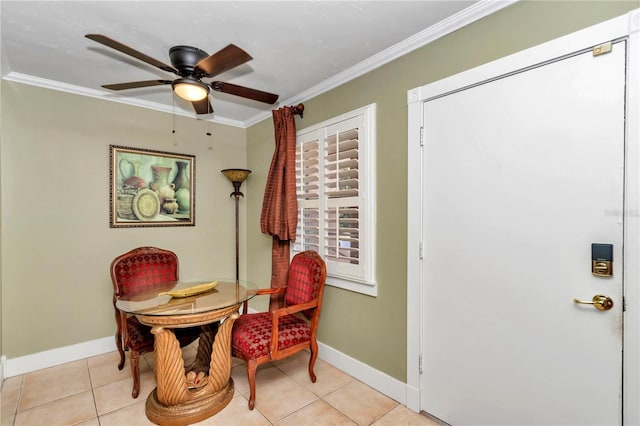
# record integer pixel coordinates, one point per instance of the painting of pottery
(150, 188)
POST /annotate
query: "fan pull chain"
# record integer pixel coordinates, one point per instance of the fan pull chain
(173, 120)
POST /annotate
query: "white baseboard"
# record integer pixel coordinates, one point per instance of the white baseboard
(368, 375)
(57, 356)
(413, 399)
(383, 383)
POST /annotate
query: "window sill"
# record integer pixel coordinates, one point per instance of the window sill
(367, 288)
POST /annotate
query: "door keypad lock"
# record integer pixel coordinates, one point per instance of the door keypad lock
(602, 259)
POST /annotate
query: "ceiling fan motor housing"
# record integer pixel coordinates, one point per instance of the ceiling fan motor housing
(185, 59)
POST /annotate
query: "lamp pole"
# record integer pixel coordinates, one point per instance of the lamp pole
(237, 176)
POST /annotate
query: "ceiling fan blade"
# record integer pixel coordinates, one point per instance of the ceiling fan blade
(136, 84)
(245, 92)
(223, 60)
(109, 42)
(203, 106)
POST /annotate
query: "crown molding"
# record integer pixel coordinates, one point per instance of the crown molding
(93, 93)
(461, 19)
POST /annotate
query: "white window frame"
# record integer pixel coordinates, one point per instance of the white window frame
(358, 278)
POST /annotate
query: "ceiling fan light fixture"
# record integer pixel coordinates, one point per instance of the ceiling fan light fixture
(190, 89)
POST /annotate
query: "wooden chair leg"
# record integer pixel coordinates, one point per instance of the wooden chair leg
(135, 372)
(120, 350)
(312, 360)
(251, 375)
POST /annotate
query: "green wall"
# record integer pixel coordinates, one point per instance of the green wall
(373, 330)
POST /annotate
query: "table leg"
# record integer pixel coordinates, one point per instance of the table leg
(173, 402)
(198, 370)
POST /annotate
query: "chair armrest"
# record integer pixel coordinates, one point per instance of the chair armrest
(263, 291)
(121, 318)
(275, 318)
(294, 308)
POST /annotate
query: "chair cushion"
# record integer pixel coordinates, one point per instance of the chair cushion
(252, 333)
(140, 273)
(303, 282)
(140, 337)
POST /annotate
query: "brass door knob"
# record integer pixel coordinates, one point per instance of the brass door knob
(600, 301)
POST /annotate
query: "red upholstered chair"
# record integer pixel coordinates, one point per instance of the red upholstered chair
(268, 336)
(138, 271)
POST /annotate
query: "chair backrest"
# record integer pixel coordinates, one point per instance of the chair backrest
(142, 269)
(307, 274)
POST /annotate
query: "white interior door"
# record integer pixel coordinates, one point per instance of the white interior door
(521, 175)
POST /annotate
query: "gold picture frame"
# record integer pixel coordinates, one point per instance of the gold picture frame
(149, 188)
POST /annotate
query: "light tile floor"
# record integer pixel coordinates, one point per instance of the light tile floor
(93, 392)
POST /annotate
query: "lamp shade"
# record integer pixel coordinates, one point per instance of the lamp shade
(236, 175)
(190, 89)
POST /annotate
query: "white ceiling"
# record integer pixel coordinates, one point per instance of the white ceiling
(299, 48)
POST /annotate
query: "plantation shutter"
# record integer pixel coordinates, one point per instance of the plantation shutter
(335, 185)
(341, 214)
(308, 190)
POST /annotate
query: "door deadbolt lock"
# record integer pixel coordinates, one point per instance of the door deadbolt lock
(602, 260)
(601, 268)
(600, 301)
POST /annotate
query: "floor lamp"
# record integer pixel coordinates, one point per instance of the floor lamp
(236, 176)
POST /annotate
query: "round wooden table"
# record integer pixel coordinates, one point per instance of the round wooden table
(189, 394)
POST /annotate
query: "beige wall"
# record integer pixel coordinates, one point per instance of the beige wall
(373, 330)
(56, 242)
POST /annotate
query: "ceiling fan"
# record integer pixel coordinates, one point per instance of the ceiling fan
(191, 65)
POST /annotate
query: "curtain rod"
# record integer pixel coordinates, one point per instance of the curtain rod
(298, 109)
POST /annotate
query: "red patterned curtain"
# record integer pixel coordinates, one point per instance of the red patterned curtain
(279, 216)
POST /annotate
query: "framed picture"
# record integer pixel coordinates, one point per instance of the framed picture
(150, 188)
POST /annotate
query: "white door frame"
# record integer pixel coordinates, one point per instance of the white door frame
(624, 26)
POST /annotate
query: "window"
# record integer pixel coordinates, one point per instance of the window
(335, 179)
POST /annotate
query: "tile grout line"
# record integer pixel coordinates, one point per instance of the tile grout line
(93, 393)
(15, 410)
